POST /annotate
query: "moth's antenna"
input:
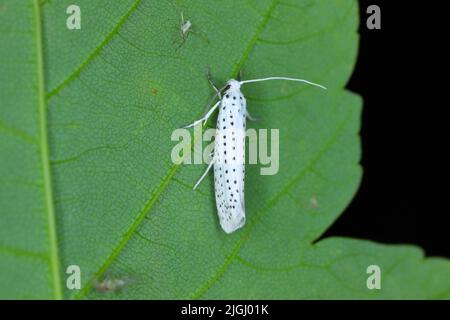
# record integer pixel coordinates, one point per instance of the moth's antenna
(283, 78)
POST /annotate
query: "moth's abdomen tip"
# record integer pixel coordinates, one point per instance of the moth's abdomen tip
(230, 228)
(228, 231)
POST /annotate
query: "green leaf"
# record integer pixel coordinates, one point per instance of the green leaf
(29, 260)
(85, 136)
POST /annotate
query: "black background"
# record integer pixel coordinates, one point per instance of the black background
(400, 74)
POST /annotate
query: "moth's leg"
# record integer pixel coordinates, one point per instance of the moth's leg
(205, 117)
(208, 75)
(249, 117)
(209, 103)
(218, 91)
(210, 112)
(204, 174)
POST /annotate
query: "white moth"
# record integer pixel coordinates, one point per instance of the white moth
(229, 151)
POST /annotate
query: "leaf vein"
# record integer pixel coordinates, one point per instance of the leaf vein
(131, 230)
(24, 253)
(54, 263)
(94, 53)
(17, 133)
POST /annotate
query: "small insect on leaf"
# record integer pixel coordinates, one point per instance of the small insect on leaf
(110, 284)
(185, 27)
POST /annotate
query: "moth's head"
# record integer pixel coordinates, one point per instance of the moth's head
(233, 85)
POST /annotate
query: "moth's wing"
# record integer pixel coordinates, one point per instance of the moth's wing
(230, 155)
(231, 208)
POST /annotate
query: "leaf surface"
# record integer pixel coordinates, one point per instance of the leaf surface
(113, 93)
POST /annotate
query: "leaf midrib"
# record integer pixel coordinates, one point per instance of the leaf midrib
(54, 262)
